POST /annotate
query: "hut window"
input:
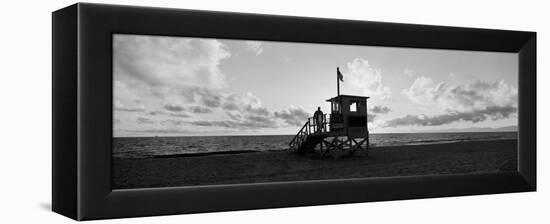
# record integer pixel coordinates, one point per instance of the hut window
(353, 107)
(335, 106)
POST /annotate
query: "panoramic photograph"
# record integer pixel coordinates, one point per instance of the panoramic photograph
(201, 111)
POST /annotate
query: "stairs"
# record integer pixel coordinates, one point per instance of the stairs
(316, 140)
(308, 146)
(307, 138)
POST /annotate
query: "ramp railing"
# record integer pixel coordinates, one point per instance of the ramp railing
(311, 127)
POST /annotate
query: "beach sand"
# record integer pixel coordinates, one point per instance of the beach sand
(256, 167)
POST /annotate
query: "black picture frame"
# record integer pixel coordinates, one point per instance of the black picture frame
(82, 111)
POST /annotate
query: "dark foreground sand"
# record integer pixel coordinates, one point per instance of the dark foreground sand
(462, 157)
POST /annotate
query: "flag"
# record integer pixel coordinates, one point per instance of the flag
(340, 76)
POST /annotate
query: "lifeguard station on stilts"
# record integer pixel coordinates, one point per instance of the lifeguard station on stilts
(342, 132)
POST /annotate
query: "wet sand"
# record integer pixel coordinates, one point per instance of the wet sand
(256, 167)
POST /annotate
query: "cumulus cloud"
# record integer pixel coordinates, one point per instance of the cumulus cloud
(362, 79)
(474, 116)
(185, 74)
(162, 61)
(476, 95)
(421, 91)
(246, 102)
(294, 116)
(473, 102)
(153, 69)
(254, 46)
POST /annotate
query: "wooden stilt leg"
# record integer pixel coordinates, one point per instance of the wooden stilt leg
(340, 145)
(354, 147)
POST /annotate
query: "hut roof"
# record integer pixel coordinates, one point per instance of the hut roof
(336, 98)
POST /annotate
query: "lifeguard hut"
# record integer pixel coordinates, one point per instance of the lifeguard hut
(342, 132)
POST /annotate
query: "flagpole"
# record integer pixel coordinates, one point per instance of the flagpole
(337, 82)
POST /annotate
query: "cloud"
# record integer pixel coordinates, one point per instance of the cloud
(254, 46)
(118, 106)
(246, 102)
(421, 91)
(370, 117)
(211, 100)
(249, 123)
(376, 111)
(200, 110)
(142, 120)
(234, 116)
(192, 109)
(162, 131)
(409, 73)
(294, 116)
(173, 62)
(380, 110)
(180, 114)
(242, 102)
(173, 108)
(152, 69)
(244, 110)
(452, 76)
(172, 122)
(476, 95)
(492, 112)
(184, 75)
(267, 121)
(192, 94)
(362, 79)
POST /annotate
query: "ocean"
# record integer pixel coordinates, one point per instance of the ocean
(146, 147)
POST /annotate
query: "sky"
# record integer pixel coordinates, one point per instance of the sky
(180, 86)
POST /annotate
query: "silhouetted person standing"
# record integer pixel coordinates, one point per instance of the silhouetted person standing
(318, 117)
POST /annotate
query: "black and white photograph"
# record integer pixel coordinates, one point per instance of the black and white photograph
(275, 111)
(191, 111)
